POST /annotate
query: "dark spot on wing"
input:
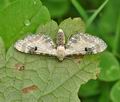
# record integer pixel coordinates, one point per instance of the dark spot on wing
(88, 50)
(35, 48)
(32, 50)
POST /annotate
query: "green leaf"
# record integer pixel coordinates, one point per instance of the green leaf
(105, 92)
(2, 53)
(90, 99)
(17, 17)
(54, 80)
(117, 38)
(91, 88)
(39, 78)
(2, 63)
(115, 92)
(50, 28)
(72, 26)
(57, 8)
(104, 97)
(110, 69)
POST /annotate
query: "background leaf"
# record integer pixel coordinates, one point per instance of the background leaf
(57, 8)
(115, 96)
(110, 69)
(18, 17)
(76, 24)
(105, 92)
(91, 88)
(38, 78)
(50, 28)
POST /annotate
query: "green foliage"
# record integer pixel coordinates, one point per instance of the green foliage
(77, 25)
(18, 17)
(57, 8)
(110, 69)
(105, 93)
(84, 14)
(89, 89)
(115, 93)
(80, 9)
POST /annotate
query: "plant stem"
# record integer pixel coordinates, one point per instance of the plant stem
(117, 37)
(80, 9)
(91, 19)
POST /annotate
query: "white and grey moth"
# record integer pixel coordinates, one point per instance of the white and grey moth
(78, 44)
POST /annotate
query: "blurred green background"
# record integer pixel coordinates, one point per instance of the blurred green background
(102, 18)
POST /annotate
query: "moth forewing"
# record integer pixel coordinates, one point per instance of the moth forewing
(36, 44)
(84, 44)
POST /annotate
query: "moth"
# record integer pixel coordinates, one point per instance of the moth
(79, 43)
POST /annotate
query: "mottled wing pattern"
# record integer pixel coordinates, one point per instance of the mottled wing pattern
(84, 44)
(36, 44)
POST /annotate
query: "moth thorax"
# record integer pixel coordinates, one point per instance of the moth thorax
(60, 52)
(60, 38)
